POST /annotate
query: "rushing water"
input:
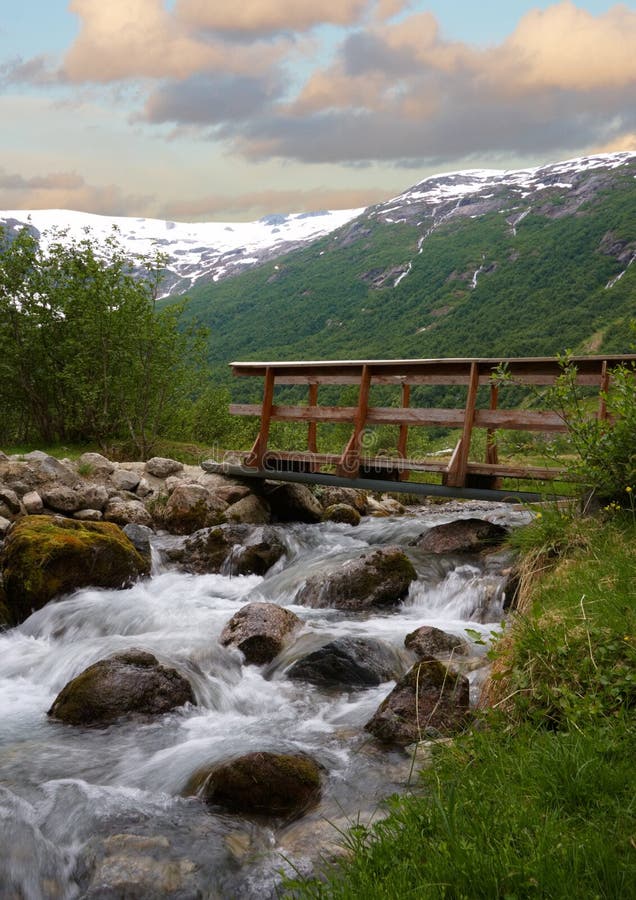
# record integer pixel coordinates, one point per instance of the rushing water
(83, 809)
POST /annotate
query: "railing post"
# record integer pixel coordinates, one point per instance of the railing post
(349, 465)
(457, 468)
(603, 389)
(259, 448)
(404, 431)
(312, 432)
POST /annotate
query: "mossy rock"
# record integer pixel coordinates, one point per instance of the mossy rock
(429, 701)
(379, 578)
(274, 785)
(132, 682)
(47, 556)
(342, 512)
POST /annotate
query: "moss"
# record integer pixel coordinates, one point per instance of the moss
(47, 556)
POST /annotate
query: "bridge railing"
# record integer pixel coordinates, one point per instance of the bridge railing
(460, 470)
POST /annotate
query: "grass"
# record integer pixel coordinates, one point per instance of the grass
(538, 799)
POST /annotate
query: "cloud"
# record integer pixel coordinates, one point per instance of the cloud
(208, 99)
(401, 92)
(126, 39)
(271, 16)
(270, 201)
(616, 144)
(67, 190)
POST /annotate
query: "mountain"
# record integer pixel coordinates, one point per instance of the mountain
(197, 252)
(475, 263)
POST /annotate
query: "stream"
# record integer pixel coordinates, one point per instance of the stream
(84, 811)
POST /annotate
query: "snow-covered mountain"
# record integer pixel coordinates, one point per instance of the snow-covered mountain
(198, 251)
(212, 251)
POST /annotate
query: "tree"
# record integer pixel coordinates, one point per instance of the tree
(84, 352)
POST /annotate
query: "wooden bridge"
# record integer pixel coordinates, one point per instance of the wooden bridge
(461, 475)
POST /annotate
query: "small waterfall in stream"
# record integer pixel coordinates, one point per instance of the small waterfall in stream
(80, 806)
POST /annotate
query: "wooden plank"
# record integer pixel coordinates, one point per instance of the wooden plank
(520, 420)
(349, 465)
(517, 471)
(403, 435)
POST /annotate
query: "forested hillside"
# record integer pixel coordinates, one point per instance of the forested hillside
(496, 276)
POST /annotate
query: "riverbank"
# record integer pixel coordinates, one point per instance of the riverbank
(538, 801)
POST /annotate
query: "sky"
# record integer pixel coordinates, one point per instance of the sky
(228, 110)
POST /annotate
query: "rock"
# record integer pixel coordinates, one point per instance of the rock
(172, 482)
(137, 866)
(260, 631)
(3, 455)
(144, 488)
(441, 708)
(127, 683)
(47, 468)
(139, 536)
(387, 506)
(125, 480)
(161, 467)
(32, 503)
(190, 508)
(5, 512)
(250, 510)
(5, 524)
(349, 662)
(330, 496)
(62, 499)
(379, 578)
(292, 502)
(430, 641)
(92, 496)
(262, 784)
(237, 549)
(342, 512)
(99, 465)
(461, 536)
(230, 492)
(10, 499)
(126, 512)
(88, 515)
(46, 556)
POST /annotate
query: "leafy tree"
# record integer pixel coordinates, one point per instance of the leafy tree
(84, 352)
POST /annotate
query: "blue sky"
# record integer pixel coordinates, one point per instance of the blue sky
(193, 109)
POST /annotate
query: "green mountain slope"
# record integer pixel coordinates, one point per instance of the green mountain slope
(508, 278)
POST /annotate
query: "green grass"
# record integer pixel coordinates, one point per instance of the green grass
(538, 800)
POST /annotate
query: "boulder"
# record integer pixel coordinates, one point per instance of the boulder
(430, 641)
(428, 701)
(61, 498)
(260, 631)
(92, 496)
(276, 785)
(88, 515)
(235, 549)
(350, 663)
(190, 508)
(46, 556)
(292, 502)
(161, 467)
(99, 465)
(126, 683)
(249, 510)
(229, 491)
(330, 496)
(43, 468)
(5, 524)
(125, 480)
(342, 512)
(139, 536)
(384, 507)
(10, 499)
(32, 503)
(144, 488)
(378, 578)
(126, 512)
(461, 536)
